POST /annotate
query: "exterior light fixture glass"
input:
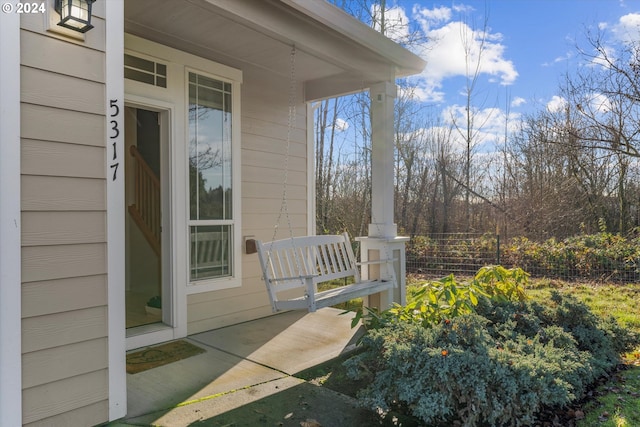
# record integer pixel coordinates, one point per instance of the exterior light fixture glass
(75, 14)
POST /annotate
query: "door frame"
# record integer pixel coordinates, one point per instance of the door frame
(10, 254)
(174, 98)
(174, 319)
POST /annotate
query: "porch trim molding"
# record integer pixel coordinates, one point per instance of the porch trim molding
(10, 227)
(406, 62)
(114, 141)
(311, 167)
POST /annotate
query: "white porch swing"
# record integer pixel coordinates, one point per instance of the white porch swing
(293, 267)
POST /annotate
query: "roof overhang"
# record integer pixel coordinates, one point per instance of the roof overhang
(335, 53)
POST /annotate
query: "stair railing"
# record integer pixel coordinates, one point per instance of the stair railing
(146, 207)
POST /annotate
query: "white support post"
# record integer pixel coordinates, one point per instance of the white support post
(376, 248)
(383, 241)
(114, 11)
(382, 119)
(10, 258)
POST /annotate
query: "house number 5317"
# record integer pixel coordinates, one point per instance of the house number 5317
(114, 133)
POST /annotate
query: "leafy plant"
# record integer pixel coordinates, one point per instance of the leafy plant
(437, 301)
(502, 284)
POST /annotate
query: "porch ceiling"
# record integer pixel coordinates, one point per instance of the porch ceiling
(335, 54)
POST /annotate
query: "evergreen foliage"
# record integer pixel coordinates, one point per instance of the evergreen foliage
(494, 363)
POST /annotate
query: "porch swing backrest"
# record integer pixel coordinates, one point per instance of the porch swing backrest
(304, 262)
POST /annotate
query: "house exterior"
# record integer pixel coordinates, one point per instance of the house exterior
(135, 161)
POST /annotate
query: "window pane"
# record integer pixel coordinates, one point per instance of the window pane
(208, 82)
(161, 70)
(139, 76)
(210, 249)
(145, 71)
(139, 63)
(209, 149)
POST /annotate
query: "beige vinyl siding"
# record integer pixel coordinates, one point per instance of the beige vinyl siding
(59, 159)
(43, 332)
(42, 297)
(264, 110)
(47, 193)
(47, 53)
(63, 261)
(70, 360)
(64, 395)
(63, 202)
(43, 87)
(52, 124)
(83, 416)
(63, 228)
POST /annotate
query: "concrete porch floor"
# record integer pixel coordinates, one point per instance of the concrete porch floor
(243, 363)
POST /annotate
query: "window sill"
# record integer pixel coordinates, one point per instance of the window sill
(213, 285)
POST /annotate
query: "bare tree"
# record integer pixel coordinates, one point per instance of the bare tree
(343, 177)
(474, 46)
(325, 131)
(598, 132)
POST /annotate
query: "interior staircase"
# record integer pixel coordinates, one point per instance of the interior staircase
(145, 210)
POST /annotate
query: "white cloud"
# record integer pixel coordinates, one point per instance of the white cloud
(627, 29)
(558, 59)
(455, 46)
(598, 103)
(518, 101)
(489, 125)
(462, 8)
(428, 17)
(557, 103)
(428, 90)
(341, 125)
(600, 58)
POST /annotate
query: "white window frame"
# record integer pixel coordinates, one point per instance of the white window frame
(179, 64)
(235, 279)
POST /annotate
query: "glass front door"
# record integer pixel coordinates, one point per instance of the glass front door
(143, 225)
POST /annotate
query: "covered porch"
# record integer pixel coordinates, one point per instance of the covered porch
(249, 369)
(285, 55)
(334, 54)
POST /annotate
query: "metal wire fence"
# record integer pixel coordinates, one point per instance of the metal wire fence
(600, 257)
(459, 253)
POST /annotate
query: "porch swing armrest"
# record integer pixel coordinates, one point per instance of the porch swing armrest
(286, 279)
(377, 261)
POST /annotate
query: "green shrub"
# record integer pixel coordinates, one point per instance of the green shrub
(481, 354)
(458, 371)
(600, 256)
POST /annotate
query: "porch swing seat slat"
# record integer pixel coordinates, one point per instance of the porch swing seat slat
(293, 268)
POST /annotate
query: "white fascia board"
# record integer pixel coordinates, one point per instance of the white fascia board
(10, 259)
(338, 20)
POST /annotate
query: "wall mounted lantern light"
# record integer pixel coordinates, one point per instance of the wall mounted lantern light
(75, 14)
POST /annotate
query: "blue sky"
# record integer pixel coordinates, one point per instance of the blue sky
(529, 43)
(529, 46)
